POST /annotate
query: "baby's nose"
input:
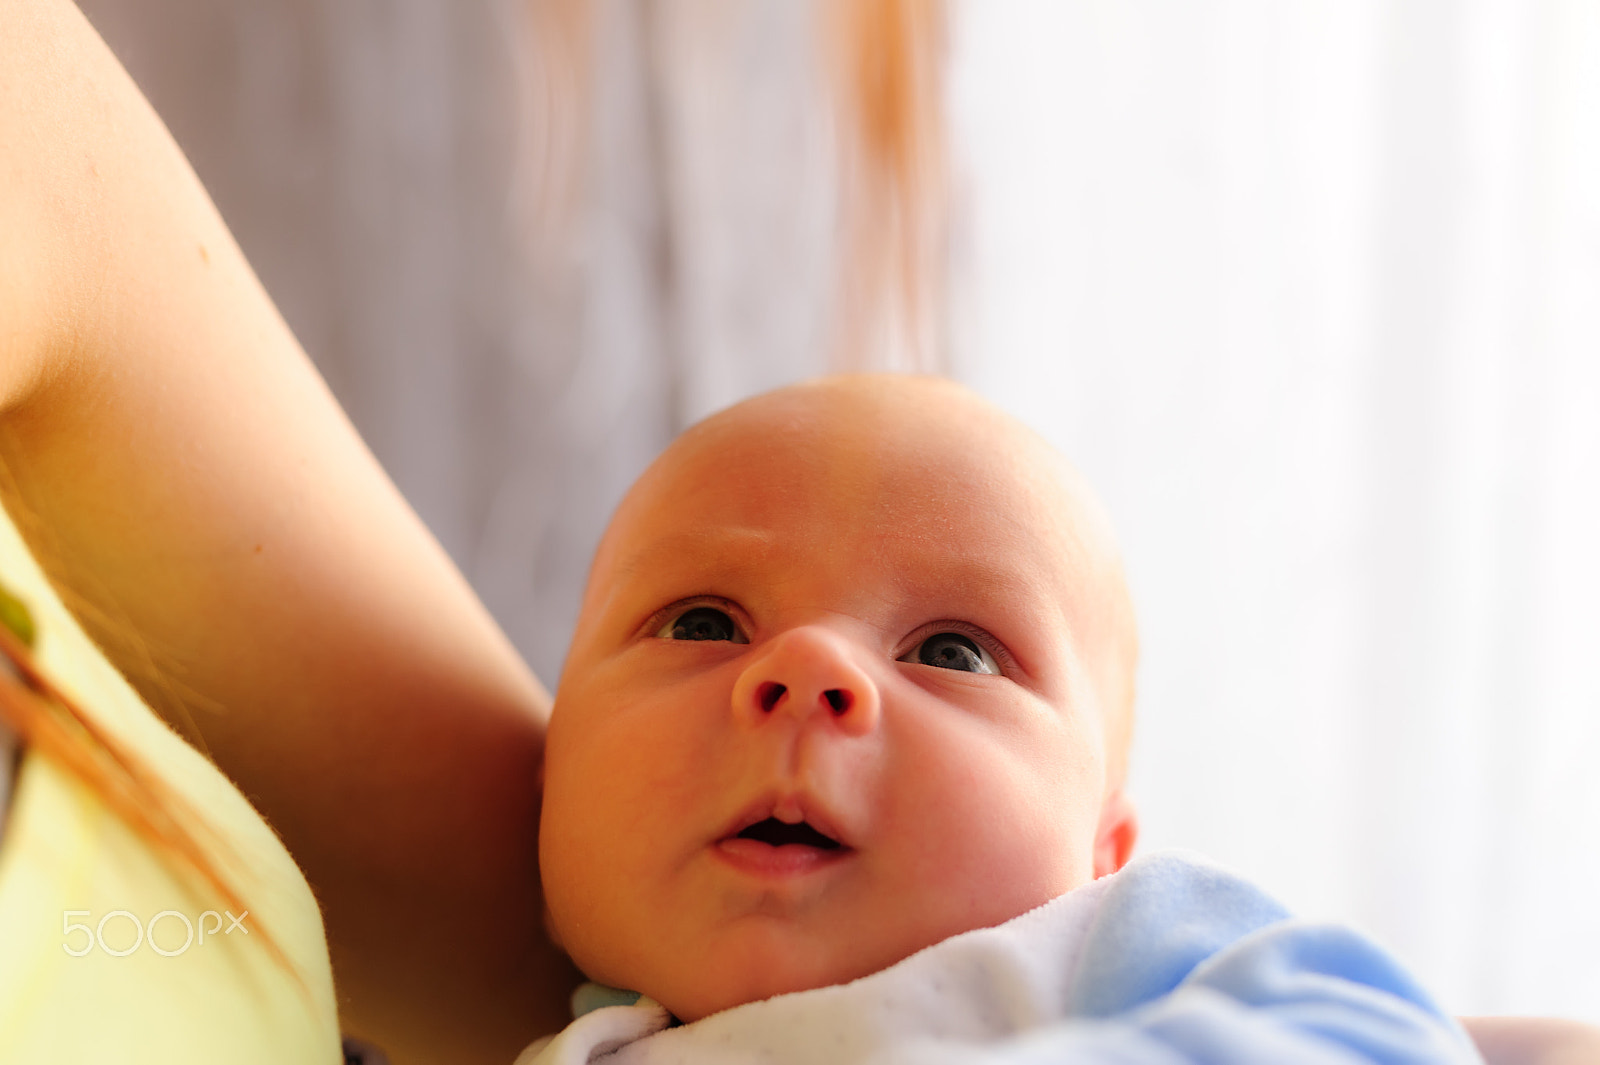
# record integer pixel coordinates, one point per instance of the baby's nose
(809, 671)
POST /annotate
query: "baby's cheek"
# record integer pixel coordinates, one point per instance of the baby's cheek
(1005, 838)
(593, 861)
(569, 865)
(575, 907)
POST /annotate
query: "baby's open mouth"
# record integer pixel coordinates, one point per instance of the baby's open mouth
(777, 833)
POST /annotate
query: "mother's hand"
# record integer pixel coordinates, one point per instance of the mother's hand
(1533, 1040)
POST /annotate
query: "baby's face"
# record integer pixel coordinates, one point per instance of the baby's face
(827, 702)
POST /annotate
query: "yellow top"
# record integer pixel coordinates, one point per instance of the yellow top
(78, 889)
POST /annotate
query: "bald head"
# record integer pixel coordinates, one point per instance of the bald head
(877, 441)
(875, 605)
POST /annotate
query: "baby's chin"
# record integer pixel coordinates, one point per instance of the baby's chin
(703, 997)
(752, 972)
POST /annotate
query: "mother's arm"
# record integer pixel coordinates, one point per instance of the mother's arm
(177, 462)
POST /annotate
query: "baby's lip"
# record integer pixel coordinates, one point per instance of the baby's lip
(791, 808)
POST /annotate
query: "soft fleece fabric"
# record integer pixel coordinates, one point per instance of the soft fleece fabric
(1171, 960)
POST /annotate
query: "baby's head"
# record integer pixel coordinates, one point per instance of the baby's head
(853, 674)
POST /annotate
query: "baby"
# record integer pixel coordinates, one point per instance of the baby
(853, 676)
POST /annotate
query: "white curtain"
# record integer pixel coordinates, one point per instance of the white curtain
(1310, 290)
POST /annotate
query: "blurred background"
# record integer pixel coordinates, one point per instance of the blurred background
(1310, 290)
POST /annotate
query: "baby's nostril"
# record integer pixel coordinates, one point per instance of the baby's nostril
(837, 698)
(769, 694)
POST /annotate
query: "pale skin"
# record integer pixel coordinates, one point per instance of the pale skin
(172, 454)
(175, 458)
(872, 605)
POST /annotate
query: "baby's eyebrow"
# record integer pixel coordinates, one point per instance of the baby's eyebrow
(977, 564)
(992, 593)
(981, 577)
(732, 548)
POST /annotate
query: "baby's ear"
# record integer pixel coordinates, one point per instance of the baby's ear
(1118, 831)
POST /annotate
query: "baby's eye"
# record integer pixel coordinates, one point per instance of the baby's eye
(702, 623)
(952, 650)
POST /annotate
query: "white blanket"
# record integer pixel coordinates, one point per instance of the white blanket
(1171, 960)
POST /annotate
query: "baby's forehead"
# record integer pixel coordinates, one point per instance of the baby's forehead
(919, 464)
